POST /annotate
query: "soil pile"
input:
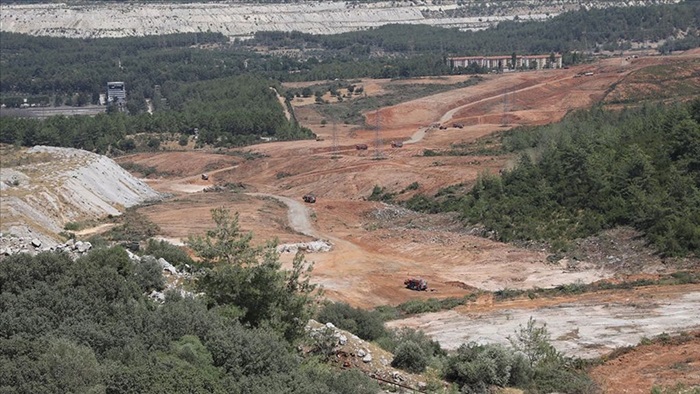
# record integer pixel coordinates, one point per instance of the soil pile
(43, 188)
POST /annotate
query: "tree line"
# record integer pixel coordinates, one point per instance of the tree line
(595, 170)
(583, 30)
(63, 67)
(232, 111)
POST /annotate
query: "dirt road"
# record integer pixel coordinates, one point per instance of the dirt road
(297, 214)
(378, 246)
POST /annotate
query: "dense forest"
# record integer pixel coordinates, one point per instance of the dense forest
(63, 67)
(598, 29)
(232, 111)
(595, 170)
(89, 326)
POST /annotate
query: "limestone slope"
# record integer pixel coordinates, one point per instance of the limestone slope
(55, 186)
(245, 19)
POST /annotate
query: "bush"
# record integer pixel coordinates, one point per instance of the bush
(367, 325)
(395, 338)
(474, 367)
(72, 226)
(184, 139)
(173, 254)
(410, 357)
(153, 143)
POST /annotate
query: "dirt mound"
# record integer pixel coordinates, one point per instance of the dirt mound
(43, 188)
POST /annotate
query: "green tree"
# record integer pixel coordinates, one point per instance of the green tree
(409, 356)
(534, 342)
(248, 281)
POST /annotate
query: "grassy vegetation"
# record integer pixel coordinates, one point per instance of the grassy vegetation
(145, 171)
(676, 81)
(132, 226)
(676, 278)
(350, 111)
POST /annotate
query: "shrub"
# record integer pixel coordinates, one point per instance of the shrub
(184, 139)
(72, 226)
(127, 144)
(410, 357)
(367, 325)
(173, 254)
(475, 367)
(395, 338)
(413, 186)
(154, 143)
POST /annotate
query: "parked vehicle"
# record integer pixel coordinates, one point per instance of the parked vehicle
(417, 284)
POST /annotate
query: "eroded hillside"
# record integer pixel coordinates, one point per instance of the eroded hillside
(243, 20)
(43, 188)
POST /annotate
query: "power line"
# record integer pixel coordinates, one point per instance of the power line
(377, 139)
(335, 139)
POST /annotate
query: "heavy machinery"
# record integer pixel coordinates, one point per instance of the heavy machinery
(205, 177)
(361, 146)
(396, 144)
(310, 198)
(417, 284)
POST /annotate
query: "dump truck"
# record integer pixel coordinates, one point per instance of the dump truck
(417, 284)
(310, 198)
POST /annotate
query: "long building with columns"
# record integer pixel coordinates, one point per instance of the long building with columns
(504, 62)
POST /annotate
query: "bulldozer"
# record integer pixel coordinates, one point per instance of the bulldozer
(310, 198)
(417, 284)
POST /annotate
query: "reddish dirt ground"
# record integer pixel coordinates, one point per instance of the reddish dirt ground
(672, 365)
(376, 246)
(370, 260)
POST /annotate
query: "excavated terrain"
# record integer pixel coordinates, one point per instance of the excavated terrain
(375, 246)
(44, 188)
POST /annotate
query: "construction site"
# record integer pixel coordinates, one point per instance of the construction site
(375, 247)
(301, 192)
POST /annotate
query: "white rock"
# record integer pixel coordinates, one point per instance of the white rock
(83, 247)
(157, 295)
(36, 243)
(367, 358)
(132, 256)
(361, 353)
(167, 266)
(330, 325)
(342, 339)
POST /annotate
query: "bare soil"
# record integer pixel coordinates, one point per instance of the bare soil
(376, 246)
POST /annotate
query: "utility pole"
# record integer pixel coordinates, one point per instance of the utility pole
(377, 139)
(335, 140)
(504, 118)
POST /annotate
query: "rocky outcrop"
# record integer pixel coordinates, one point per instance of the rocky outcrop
(307, 247)
(243, 20)
(62, 185)
(10, 245)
